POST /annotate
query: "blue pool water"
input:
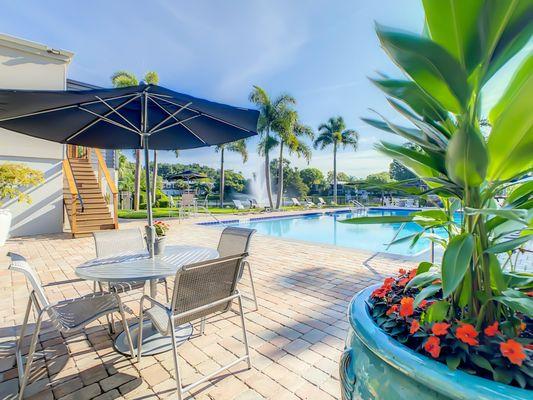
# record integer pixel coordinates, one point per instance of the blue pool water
(327, 229)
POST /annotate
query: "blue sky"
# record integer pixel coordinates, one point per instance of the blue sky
(319, 51)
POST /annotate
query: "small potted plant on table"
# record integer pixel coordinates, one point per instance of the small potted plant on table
(161, 230)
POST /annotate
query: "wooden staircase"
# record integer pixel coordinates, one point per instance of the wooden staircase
(84, 201)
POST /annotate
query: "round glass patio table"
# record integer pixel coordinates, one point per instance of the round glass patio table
(131, 267)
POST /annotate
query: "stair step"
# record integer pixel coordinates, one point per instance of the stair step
(94, 226)
(86, 216)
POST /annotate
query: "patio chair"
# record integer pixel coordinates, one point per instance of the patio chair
(296, 202)
(309, 203)
(67, 315)
(187, 202)
(116, 243)
(238, 204)
(321, 202)
(200, 290)
(234, 241)
(256, 204)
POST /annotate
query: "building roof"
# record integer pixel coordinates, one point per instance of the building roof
(73, 84)
(35, 48)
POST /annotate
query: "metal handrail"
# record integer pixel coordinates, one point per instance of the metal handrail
(395, 236)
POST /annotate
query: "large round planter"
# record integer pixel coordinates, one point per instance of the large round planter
(5, 225)
(375, 366)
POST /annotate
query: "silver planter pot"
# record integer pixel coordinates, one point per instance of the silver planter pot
(159, 245)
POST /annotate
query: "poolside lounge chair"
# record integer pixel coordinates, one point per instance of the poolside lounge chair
(321, 202)
(67, 315)
(309, 203)
(234, 241)
(255, 204)
(238, 204)
(296, 202)
(200, 290)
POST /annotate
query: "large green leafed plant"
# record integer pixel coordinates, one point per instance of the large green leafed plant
(468, 159)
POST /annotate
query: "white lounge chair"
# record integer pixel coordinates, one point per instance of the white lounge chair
(296, 202)
(238, 204)
(321, 202)
(309, 203)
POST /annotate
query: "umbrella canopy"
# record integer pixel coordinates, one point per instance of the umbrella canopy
(122, 118)
(144, 116)
(187, 175)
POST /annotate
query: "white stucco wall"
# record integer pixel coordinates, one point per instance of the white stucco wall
(28, 65)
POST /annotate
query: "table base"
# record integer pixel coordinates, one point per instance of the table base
(153, 341)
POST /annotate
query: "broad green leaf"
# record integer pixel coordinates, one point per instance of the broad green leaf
(517, 215)
(497, 279)
(421, 164)
(510, 144)
(508, 245)
(424, 266)
(453, 362)
(378, 124)
(519, 280)
(455, 262)
(413, 96)
(505, 28)
(403, 239)
(436, 215)
(521, 193)
(502, 375)
(428, 291)
(437, 311)
(453, 24)
(466, 157)
(432, 68)
(466, 291)
(388, 219)
(481, 362)
(516, 301)
(423, 279)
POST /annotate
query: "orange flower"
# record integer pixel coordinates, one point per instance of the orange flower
(412, 273)
(415, 326)
(513, 351)
(406, 306)
(530, 294)
(466, 333)
(393, 309)
(492, 330)
(384, 289)
(404, 281)
(440, 328)
(423, 304)
(402, 271)
(432, 346)
(437, 281)
(522, 326)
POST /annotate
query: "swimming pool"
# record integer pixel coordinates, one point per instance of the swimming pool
(325, 228)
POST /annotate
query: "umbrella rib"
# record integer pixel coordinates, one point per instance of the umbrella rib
(96, 121)
(63, 108)
(119, 114)
(110, 121)
(170, 115)
(209, 116)
(179, 123)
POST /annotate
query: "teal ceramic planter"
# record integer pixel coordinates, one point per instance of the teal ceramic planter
(375, 366)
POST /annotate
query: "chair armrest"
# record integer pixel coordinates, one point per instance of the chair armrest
(153, 302)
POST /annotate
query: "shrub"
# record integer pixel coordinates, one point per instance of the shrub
(14, 178)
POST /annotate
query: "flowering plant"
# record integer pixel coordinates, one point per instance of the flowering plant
(479, 165)
(502, 351)
(161, 228)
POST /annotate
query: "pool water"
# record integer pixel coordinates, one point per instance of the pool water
(327, 229)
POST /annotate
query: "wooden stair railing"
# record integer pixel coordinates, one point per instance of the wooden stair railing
(74, 193)
(103, 172)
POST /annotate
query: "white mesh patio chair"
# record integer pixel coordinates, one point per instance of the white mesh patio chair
(116, 243)
(200, 290)
(234, 241)
(67, 315)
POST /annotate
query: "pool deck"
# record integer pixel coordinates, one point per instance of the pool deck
(296, 337)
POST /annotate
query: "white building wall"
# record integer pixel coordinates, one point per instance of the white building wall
(28, 65)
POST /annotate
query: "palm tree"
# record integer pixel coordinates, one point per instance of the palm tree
(270, 113)
(334, 133)
(125, 79)
(237, 147)
(290, 131)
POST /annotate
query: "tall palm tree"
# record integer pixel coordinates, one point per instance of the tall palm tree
(237, 147)
(270, 113)
(290, 132)
(334, 133)
(125, 79)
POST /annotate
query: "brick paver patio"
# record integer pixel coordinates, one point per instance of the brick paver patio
(296, 337)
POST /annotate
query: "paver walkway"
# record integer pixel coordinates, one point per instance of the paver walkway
(296, 337)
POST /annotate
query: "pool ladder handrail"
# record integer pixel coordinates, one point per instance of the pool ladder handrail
(358, 208)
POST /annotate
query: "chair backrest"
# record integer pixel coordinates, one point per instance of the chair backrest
(202, 284)
(295, 201)
(234, 241)
(187, 199)
(238, 204)
(321, 200)
(115, 242)
(19, 263)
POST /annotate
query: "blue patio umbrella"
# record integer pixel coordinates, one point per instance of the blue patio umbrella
(137, 117)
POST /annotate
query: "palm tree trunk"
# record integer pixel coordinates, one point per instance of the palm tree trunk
(335, 173)
(221, 190)
(267, 176)
(154, 178)
(280, 177)
(137, 192)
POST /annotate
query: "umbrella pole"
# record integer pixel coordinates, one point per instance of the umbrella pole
(150, 230)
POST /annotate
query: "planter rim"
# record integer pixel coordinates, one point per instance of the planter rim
(430, 373)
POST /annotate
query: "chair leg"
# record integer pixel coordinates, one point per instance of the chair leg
(175, 353)
(140, 333)
(252, 285)
(202, 326)
(29, 358)
(244, 333)
(125, 326)
(166, 290)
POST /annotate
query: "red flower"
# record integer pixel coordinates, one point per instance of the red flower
(404, 281)
(384, 289)
(415, 326)
(513, 351)
(393, 309)
(492, 330)
(412, 273)
(440, 328)
(466, 333)
(432, 346)
(402, 271)
(423, 304)
(406, 306)
(437, 282)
